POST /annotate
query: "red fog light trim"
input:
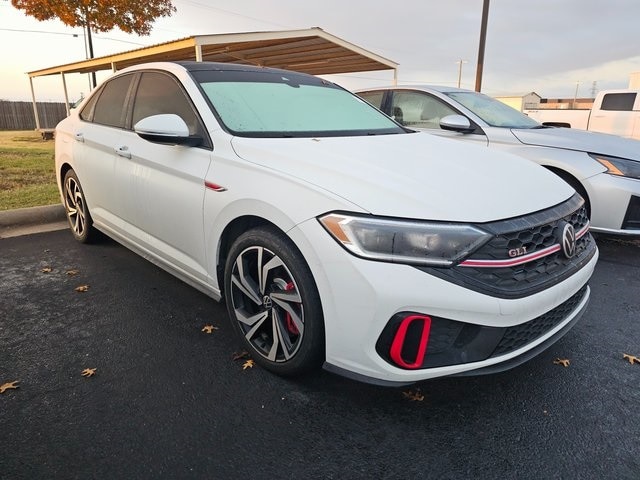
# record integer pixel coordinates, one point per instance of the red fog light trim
(399, 338)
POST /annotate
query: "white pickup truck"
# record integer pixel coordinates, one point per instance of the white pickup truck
(604, 169)
(614, 111)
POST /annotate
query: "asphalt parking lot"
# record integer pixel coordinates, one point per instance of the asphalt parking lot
(168, 400)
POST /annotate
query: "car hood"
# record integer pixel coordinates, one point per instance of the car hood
(581, 140)
(412, 175)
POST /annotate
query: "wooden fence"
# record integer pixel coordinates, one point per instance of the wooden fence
(19, 115)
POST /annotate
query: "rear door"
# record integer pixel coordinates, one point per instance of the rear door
(97, 136)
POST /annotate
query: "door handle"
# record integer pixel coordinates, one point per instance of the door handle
(79, 137)
(123, 151)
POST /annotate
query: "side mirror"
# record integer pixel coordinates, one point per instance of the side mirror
(167, 129)
(456, 123)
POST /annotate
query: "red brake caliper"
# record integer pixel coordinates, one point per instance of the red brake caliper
(291, 327)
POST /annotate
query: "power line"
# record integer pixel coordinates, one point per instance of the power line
(229, 12)
(70, 34)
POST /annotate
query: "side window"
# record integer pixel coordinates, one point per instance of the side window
(160, 94)
(88, 110)
(419, 110)
(110, 108)
(619, 101)
(374, 98)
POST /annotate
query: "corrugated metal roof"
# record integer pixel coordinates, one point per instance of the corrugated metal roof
(311, 51)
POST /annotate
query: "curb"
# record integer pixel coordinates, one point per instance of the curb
(27, 221)
(32, 216)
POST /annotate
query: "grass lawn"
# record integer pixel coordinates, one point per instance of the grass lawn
(27, 176)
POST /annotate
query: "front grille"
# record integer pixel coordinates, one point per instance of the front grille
(520, 335)
(532, 234)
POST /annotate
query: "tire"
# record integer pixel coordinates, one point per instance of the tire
(76, 209)
(279, 317)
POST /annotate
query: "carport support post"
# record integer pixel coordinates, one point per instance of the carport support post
(66, 94)
(35, 105)
(198, 53)
(395, 77)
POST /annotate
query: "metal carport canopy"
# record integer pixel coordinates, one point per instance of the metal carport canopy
(312, 51)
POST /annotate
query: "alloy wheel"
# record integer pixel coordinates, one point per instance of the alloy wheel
(75, 206)
(267, 304)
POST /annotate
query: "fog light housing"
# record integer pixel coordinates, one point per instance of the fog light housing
(405, 351)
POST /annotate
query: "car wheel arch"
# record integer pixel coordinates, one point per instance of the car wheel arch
(64, 168)
(231, 231)
(576, 184)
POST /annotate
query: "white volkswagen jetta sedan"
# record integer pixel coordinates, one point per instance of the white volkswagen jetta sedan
(335, 236)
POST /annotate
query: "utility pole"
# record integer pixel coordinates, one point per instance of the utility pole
(460, 62)
(483, 37)
(87, 24)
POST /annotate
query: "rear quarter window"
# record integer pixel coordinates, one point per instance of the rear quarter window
(622, 102)
(111, 105)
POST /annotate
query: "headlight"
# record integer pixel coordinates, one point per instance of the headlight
(404, 241)
(621, 167)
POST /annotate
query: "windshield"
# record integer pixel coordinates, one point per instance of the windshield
(493, 111)
(286, 104)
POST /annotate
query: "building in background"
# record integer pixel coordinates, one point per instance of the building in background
(521, 102)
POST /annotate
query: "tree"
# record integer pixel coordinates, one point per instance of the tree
(101, 15)
(130, 16)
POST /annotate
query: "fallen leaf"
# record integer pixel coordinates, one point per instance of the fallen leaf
(82, 288)
(562, 361)
(9, 386)
(209, 328)
(413, 396)
(46, 270)
(632, 359)
(248, 364)
(89, 372)
(72, 273)
(240, 355)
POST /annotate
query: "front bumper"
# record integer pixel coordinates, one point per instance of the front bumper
(615, 204)
(360, 296)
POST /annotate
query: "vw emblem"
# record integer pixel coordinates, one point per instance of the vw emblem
(267, 303)
(568, 240)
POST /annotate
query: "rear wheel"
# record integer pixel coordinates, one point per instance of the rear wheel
(76, 209)
(273, 302)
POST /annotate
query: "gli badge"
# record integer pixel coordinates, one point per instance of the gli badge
(517, 252)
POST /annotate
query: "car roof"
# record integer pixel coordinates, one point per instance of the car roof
(426, 88)
(193, 66)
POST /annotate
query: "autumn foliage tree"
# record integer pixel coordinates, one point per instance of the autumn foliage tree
(130, 16)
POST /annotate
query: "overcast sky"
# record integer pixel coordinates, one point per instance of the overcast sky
(546, 46)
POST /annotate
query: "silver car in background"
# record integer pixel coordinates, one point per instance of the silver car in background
(603, 169)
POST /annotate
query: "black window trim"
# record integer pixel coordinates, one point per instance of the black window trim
(130, 96)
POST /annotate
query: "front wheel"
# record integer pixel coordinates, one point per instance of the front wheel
(273, 302)
(76, 209)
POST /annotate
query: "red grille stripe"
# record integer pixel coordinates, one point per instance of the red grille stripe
(512, 262)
